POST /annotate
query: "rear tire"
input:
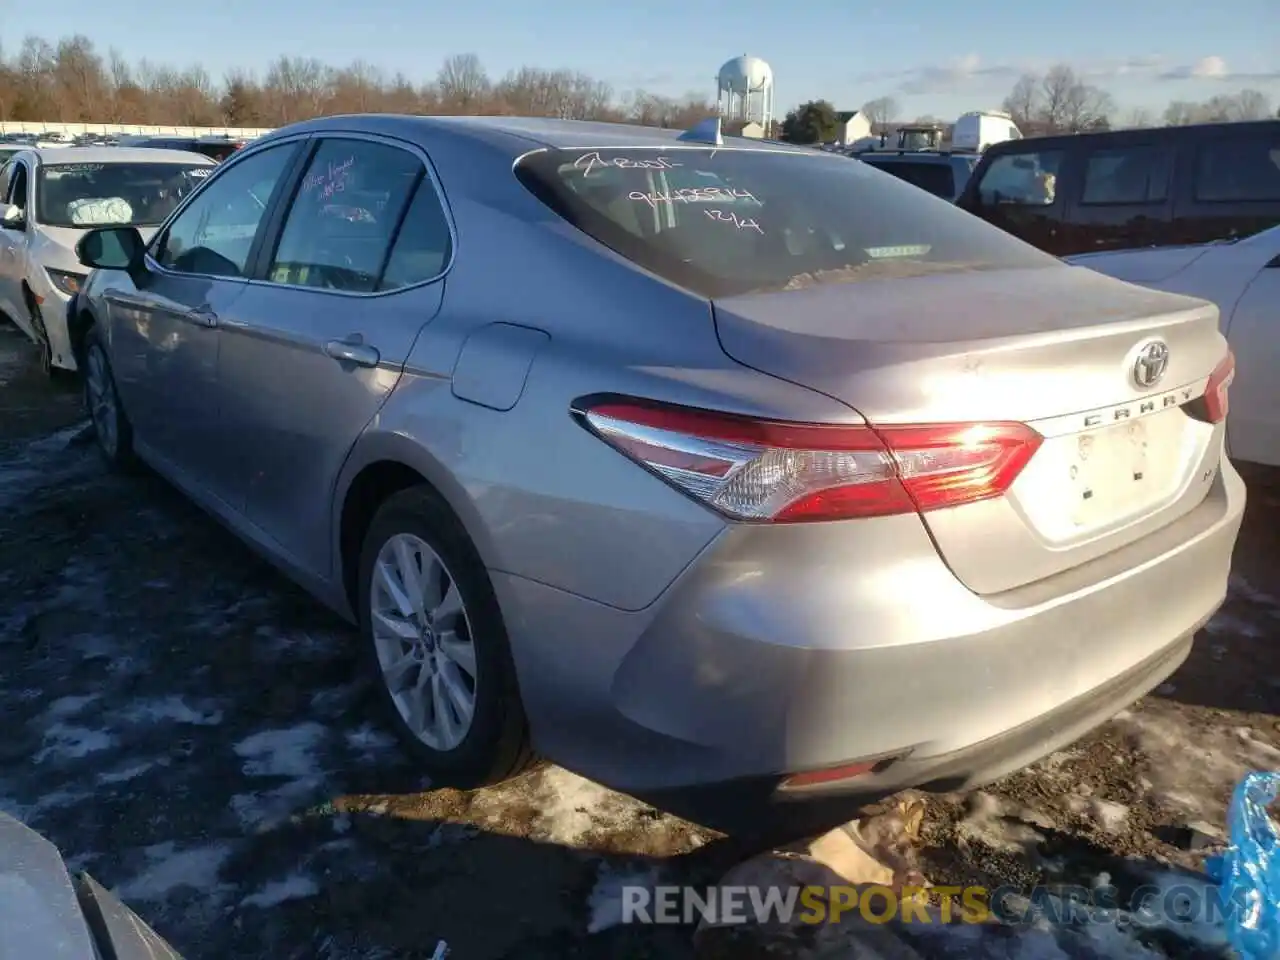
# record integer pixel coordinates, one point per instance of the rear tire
(42, 341)
(111, 428)
(436, 646)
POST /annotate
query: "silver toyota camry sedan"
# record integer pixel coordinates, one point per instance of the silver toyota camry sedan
(739, 477)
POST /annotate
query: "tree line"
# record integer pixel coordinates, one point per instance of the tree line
(70, 81)
(1057, 101)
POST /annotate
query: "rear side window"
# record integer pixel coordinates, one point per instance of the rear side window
(339, 228)
(1238, 169)
(723, 222)
(1029, 179)
(423, 245)
(936, 178)
(1138, 174)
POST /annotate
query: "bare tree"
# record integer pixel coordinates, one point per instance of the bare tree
(881, 111)
(463, 83)
(1137, 117)
(1058, 102)
(1254, 105)
(1179, 113)
(70, 81)
(1023, 101)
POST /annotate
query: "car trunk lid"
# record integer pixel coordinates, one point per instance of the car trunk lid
(1052, 347)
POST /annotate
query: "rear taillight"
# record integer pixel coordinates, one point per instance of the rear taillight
(1215, 394)
(783, 472)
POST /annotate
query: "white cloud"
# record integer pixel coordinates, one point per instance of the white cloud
(1215, 68)
(971, 72)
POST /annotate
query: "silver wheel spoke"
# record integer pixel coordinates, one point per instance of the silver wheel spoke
(460, 652)
(446, 611)
(410, 576)
(398, 626)
(456, 692)
(446, 726)
(386, 579)
(397, 672)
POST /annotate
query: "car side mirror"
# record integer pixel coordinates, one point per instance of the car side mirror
(12, 217)
(110, 248)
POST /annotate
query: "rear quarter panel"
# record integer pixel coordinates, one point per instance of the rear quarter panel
(543, 498)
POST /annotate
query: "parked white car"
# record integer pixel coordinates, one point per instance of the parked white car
(49, 198)
(1243, 278)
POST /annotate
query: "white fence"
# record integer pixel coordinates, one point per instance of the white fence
(75, 129)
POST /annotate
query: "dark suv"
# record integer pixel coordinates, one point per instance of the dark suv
(1132, 188)
(215, 148)
(941, 173)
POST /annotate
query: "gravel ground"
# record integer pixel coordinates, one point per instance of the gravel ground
(189, 728)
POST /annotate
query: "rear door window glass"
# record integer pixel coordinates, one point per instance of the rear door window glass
(722, 222)
(1029, 178)
(936, 178)
(342, 220)
(1238, 169)
(1137, 174)
(422, 248)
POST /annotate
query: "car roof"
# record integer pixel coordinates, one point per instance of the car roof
(1192, 130)
(519, 134)
(116, 155)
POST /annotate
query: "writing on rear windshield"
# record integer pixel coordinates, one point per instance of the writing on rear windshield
(692, 195)
(742, 223)
(593, 161)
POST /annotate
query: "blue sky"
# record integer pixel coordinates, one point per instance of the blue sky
(939, 57)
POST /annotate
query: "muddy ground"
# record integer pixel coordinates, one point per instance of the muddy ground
(190, 728)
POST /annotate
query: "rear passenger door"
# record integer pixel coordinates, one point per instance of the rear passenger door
(1124, 197)
(1234, 188)
(351, 271)
(1023, 192)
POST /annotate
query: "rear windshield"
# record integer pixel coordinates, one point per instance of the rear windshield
(113, 194)
(723, 222)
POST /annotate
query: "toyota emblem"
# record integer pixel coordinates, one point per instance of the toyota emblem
(1151, 362)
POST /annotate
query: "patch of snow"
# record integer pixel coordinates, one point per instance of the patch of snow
(173, 709)
(66, 741)
(287, 752)
(172, 869)
(604, 903)
(1192, 770)
(369, 740)
(294, 887)
(1110, 816)
(1229, 623)
(65, 707)
(259, 812)
(569, 807)
(1241, 587)
(992, 823)
(124, 774)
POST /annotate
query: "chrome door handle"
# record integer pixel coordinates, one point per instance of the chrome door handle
(353, 351)
(203, 317)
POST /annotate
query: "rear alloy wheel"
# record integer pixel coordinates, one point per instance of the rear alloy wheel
(111, 427)
(422, 639)
(436, 645)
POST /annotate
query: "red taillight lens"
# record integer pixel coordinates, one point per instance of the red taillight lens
(1215, 394)
(782, 472)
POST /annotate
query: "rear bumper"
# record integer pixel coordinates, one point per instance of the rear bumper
(784, 650)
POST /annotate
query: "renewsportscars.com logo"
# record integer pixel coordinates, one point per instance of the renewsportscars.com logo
(1154, 905)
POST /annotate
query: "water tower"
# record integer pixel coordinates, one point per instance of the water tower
(744, 91)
